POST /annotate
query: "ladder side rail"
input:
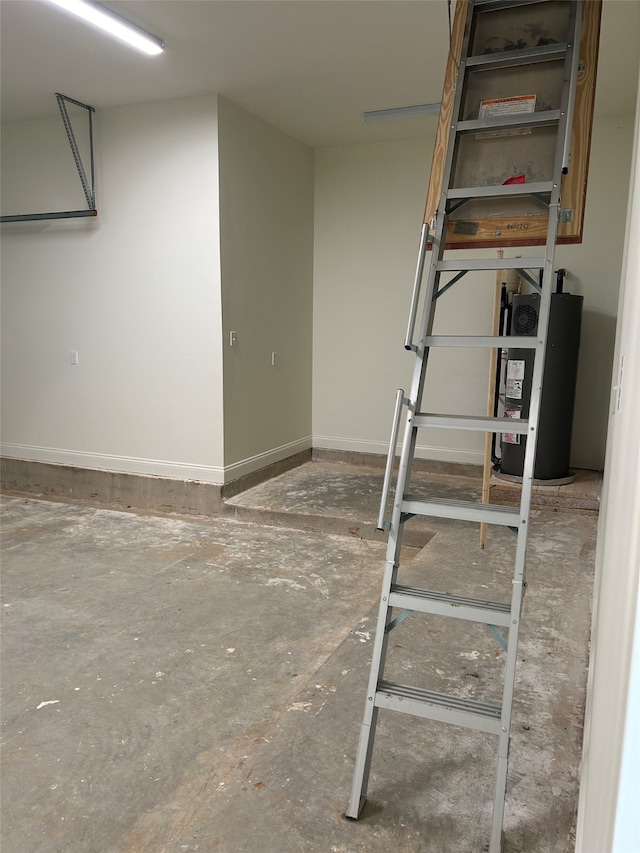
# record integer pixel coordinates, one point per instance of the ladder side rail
(381, 636)
(417, 283)
(518, 583)
(545, 306)
(573, 50)
(420, 364)
(393, 441)
(570, 81)
(394, 543)
(420, 367)
(368, 726)
(367, 730)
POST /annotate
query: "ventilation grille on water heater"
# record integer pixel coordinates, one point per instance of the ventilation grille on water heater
(525, 319)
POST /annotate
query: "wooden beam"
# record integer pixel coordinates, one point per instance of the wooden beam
(491, 390)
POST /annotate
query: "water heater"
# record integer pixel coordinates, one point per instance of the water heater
(558, 386)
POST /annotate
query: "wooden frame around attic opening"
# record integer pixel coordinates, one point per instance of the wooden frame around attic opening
(528, 229)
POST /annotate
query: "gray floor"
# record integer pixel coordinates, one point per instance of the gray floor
(173, 684)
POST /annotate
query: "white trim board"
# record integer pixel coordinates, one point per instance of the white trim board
(217, 475)
(261, 460)
(423, 451)
(115, 464)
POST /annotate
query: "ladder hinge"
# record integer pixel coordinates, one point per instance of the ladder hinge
(566, 214)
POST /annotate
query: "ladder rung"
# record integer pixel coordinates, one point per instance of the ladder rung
(481, 716)
(510, 58)
(540, 119)
(504, 341)
(491, 264)
(443, 604)
(470, 422)
(507, 516)
(502, 190)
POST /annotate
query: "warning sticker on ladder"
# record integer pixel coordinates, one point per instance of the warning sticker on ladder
(501, 107)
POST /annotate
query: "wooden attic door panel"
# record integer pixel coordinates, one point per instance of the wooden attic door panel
(518, 226)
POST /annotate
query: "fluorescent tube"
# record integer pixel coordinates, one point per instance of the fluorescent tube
(116, 25)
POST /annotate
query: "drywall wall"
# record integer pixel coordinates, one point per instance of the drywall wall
(136, 293)
(369, 204)
(608, 818)
(594, 272)
(266, 238)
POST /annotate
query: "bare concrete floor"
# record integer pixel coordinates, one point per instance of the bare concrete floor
(172, 684)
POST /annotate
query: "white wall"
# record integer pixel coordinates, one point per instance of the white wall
(266, 228)
(594, 267)
(136, 293)
(369, 206)
(608, 815)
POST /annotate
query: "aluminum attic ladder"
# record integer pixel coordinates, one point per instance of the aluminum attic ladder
(441, 275)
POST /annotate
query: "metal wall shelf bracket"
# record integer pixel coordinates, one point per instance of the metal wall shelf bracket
(88, 187)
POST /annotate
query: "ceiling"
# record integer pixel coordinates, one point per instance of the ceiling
(309, 67)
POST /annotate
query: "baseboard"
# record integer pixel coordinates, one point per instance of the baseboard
(101, 462)
(108, 462)
(152, 493)
(253, 464)
(378, 460)
(131, 491)
(429, 453)
(254, 478)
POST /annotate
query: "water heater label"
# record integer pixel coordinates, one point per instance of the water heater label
(515, 378)
(511, 437)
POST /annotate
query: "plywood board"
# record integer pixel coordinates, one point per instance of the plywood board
(496, 224)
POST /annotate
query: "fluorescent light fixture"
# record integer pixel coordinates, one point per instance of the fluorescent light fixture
(116, 25)
(402, 112)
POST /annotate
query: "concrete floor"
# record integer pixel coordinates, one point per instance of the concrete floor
(172, 684)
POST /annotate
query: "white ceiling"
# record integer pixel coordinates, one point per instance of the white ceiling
(310, 67)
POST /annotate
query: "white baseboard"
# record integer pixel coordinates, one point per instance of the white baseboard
(154, 467)
(218, 474)
(423, 451)
(117, 464)
(261, 460)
